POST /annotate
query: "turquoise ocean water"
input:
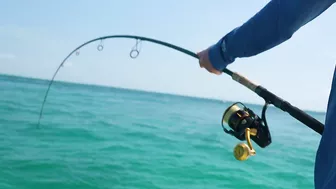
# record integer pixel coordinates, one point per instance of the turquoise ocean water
(99, 137)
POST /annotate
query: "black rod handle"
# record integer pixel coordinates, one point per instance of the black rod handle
(300, 115)
(285, 106)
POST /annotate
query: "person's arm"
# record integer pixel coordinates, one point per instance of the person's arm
(271, 26)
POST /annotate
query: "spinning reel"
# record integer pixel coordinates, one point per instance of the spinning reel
(246, 125)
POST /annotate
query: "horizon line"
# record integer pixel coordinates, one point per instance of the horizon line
(152, 91)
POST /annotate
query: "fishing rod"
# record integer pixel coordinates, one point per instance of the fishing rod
(244, 123)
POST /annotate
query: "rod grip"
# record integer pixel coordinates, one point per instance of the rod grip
(244, 81)
(304, 117)
(300, 115)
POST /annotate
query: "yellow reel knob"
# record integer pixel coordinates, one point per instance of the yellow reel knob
(242, 152)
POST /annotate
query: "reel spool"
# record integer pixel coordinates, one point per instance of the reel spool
(246, 125)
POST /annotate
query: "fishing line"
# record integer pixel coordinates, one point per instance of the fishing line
(133, 54)
(232, 112)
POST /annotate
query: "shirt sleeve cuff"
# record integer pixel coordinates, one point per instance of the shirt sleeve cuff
(217, 56)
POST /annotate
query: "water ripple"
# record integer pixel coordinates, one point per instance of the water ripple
(97, 137)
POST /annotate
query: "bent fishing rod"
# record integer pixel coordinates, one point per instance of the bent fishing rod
(244, 123)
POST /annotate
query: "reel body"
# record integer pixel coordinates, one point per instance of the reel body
(246, 125)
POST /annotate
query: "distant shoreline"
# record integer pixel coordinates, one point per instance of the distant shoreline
(142, 90)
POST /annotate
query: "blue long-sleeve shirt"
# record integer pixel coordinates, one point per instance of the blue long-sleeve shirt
(271, 26)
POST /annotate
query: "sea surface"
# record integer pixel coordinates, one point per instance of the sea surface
(94, 137)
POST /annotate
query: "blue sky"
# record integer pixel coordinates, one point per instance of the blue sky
(37, 35)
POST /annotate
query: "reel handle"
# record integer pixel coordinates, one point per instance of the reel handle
(243, 151)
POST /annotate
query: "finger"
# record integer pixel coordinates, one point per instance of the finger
(208, 69)
(202, 63)
(199, 54)
(216, 72)
(201, 60)
(212, 69)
